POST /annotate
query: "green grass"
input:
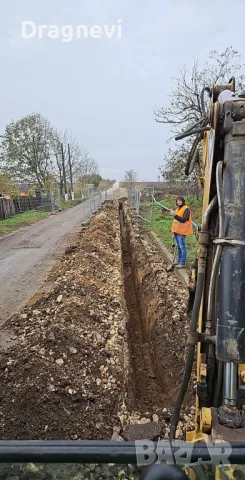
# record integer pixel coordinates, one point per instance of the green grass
(21, 220)
(70, 203)
(160, 222)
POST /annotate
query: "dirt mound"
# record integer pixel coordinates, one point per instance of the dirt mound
(104, 349)
(63, 379)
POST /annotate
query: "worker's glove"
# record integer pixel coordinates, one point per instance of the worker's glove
(172, 213)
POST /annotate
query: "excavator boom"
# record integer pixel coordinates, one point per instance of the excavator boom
(217, 327)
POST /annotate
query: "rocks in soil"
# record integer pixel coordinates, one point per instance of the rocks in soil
(158, 325)
(151, 431)
(69, 472)
(50, 388)
(69, 375)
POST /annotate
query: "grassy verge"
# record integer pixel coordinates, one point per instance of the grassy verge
(160, 222)
(21, 220)
(70, 203)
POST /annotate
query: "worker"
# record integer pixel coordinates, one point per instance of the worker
(182, 226)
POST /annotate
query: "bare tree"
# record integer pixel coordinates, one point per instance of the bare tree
(185, 106)
(71, 162)
(173, 171)
(130, 178)
(87, 167)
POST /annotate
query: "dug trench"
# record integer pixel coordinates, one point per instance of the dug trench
(101, 355)
(157, 325)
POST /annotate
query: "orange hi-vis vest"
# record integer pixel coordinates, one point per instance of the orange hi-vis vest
(182, 228)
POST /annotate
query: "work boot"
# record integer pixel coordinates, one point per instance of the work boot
(180, 266)
(175, 263)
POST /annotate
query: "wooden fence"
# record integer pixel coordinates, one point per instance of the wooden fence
(7, 208)
(20, 204)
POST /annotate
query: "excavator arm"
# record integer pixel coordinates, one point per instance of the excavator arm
(217, 326)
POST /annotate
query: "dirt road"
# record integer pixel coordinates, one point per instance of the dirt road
(27, 256)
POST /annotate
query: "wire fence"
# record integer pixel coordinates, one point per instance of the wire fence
(49, 200)
(141, 199)
(146, 203)
(90, 206)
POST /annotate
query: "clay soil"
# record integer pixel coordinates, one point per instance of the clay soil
(103, 352)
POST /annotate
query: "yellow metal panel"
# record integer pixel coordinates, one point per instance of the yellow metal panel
(191, 473)
(191, 435)
(241, 371)
(205, 420)
(208, 147)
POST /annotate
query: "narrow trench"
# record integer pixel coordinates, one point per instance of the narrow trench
(144, 389)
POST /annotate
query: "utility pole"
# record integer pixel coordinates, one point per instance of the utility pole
(64, 171)
(70, 167)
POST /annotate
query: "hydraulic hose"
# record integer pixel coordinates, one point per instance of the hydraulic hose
(218, 252)
(192, 157)
(213, 277)
(193, 325)
(190, 354)
(205, 89)
(208, 212)
(199, 122)
(192, 132)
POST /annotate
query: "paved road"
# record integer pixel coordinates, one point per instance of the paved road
(27, 256)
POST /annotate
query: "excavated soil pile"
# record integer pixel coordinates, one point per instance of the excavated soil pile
(63, 378)
(102, 355)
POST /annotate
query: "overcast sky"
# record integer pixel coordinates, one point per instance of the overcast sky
(105, 90)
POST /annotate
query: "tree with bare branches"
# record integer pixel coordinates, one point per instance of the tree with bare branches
(185, 106)
(71, 163)
(65, 161)
(173, 171)
(130, 177)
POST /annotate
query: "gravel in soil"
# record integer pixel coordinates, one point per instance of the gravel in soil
(32, 471)
(63, 378)
(157, 329)
(100, 356)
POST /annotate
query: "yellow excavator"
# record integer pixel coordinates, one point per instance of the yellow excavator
(216, 340)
